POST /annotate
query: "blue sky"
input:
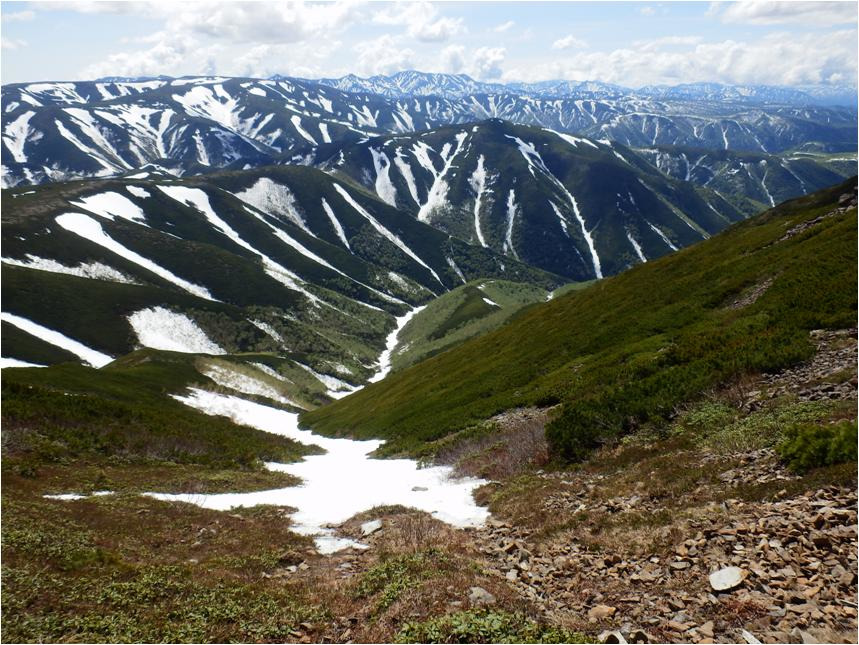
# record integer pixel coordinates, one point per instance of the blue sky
(629, 43)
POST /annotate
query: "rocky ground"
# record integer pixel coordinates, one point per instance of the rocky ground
(665, 543)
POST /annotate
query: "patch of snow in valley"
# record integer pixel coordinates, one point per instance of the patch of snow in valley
(478, 185)
(490, 302)
(391, 343)
(52, 337)
(335, 223)
(384, 188)
(323, 128)
(335, 388)
(406, 171)
(267, 329)
(324, 497)
(160, 328)
(246, 384)
(91, 270)
(111, 205)
(662, 235)
(89, 229)
(511, 216)
(636, 246)
(15, 135)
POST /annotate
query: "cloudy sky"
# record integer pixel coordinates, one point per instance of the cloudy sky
(629, 43)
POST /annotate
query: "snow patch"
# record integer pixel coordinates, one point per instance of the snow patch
(111, 205)
(160, 328)
(87, 354)
(391, 344)
(91, 270)
(89, 229)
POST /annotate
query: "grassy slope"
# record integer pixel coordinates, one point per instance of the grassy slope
(461, 314)
(628, 349)
(122, 414)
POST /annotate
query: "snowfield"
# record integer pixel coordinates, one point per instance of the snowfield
(336, 485)
(160, 328)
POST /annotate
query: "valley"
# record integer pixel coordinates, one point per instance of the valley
(418, 358)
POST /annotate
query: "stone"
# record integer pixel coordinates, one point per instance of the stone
(512, 575)
(419, 489)
(600, 612)
(727, 578)
(749, 638)
(368, 528)
(706, 630)
(611, 637)
(479, 596)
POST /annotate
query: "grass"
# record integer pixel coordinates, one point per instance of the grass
(485, 626)
(629, 350)
(460, 314)
(122, 414)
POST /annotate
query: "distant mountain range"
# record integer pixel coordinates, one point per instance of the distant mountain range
(60, 131)
(414, 83)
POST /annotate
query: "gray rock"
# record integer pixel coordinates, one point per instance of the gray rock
(368, 528)
(727, 578)
(479, 596)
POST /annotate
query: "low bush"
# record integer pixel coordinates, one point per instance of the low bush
(812, 446)
(485, 626)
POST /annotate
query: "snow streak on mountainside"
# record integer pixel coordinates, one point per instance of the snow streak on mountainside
(57, 131)
(570, 205)
(287, 262)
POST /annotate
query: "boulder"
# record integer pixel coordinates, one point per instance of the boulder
(727, 578)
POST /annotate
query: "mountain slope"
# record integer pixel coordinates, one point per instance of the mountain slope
(285, 260)
(58, 131)
(627, 350)
(765, 179)
(573, 206)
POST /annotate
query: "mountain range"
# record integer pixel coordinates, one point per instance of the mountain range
(59, 131)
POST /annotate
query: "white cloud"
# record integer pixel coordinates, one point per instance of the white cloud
(19, 16)
(504, 26)
(779, 13)
(775, 59)
(383, 55)
(453, 59)
(667, 41)
(486, 63)
(647, 11)
(165, 56)
(11, 44)
(421, 20)
(569, 42)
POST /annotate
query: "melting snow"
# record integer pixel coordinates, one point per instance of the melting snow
(636, 246)
(490, 302)
(335, 223)
(384, 188)
(160, 328)
(662, 235)
(478, 185)
(110, 205)
(87, 354)
(384, 231)
(323, 128)
(511, 215)
(15, 135)
(391, 343)
(89, 229)
(92, 270)
(322, 499)
(296, 123)
(137, 191)
(14, 362)
(275, 199)
(240, 382)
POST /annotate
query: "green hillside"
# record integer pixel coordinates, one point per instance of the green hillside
(454, 317)
(627, 350)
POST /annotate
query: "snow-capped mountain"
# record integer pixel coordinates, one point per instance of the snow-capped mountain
(573, 206)
(414, 83)
(58, 131)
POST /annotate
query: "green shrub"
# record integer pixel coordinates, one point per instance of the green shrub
(485, 626)
(813, 446)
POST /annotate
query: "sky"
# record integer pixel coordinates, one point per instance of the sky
(628, 43)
